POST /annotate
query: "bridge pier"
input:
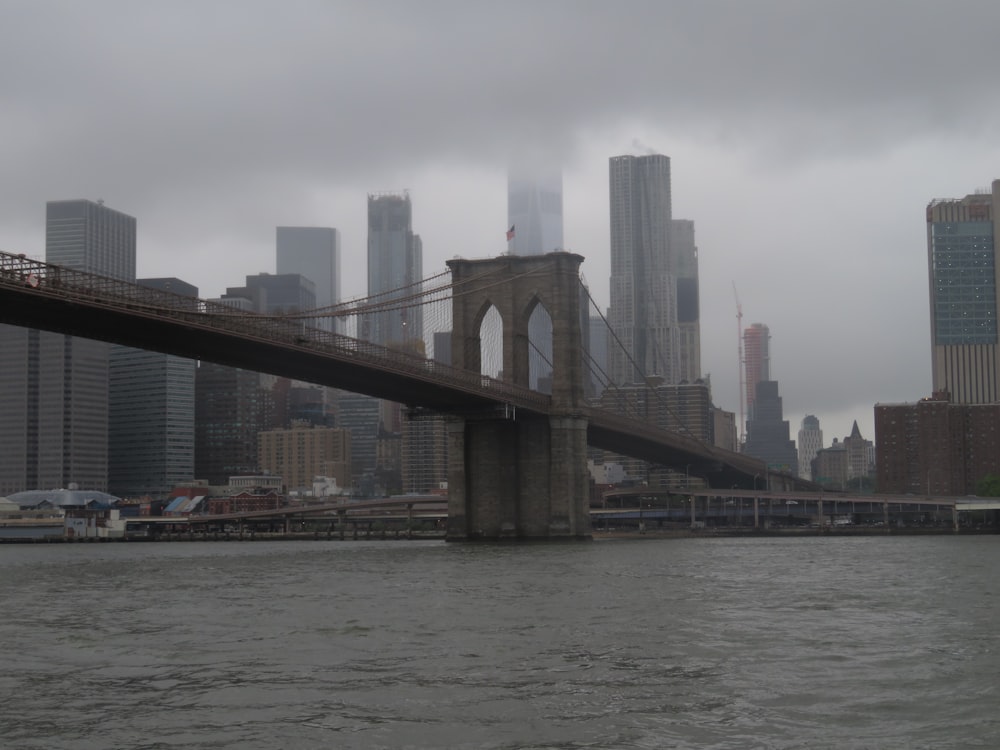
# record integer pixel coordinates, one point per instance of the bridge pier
(517, 478)
(518, 474)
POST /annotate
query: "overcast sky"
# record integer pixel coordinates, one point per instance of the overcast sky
(806, 139)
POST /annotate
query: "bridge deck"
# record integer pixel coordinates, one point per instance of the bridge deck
(59, 299)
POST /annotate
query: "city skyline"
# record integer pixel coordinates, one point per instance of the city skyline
(806, 171)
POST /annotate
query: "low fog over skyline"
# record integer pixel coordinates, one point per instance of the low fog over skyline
(805, 141)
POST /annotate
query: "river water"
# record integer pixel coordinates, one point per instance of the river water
(890, 642)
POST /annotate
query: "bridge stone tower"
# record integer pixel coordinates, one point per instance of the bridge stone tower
(518, 474)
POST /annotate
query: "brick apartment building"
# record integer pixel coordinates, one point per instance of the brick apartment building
(935, 447)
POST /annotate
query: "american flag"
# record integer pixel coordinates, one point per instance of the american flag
(510, 233)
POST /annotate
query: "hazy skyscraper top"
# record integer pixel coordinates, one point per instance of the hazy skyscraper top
(534, 209)
(535, 213)
(90, 237)
(312, 252)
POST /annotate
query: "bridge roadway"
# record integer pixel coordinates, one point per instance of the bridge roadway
(54, 298)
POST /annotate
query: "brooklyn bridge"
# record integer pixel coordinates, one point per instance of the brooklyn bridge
(517, 455)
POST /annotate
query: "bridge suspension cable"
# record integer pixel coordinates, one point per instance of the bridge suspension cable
(628, 403)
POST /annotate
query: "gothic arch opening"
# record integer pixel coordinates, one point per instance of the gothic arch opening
(539, 347)
(491, 343)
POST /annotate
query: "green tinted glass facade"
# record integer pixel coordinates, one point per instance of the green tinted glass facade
(964, 279)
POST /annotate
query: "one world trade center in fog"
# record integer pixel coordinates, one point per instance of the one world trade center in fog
(535, 216)
(534, 209)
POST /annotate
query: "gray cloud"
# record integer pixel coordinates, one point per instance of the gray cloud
(348, 88)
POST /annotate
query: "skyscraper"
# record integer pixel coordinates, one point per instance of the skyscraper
(395, 265)
(810, 443)
(535, 210)
(312, 252)
(768, 433)
(425, 438)
(151, 414)
(685, 255)
(962, 241)
(233, 405)
(767, 430)
(596, 369)
(88, 236)
(643, 289)
(54, 401)
(756, 359)
(53, 387)
(359, 414)
(273, 294)
(231, 408)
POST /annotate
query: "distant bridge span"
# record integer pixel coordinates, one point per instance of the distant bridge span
(53, 298)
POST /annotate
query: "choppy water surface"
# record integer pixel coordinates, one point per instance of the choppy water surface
(753, 643)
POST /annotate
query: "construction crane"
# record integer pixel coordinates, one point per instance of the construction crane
(740, 364)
